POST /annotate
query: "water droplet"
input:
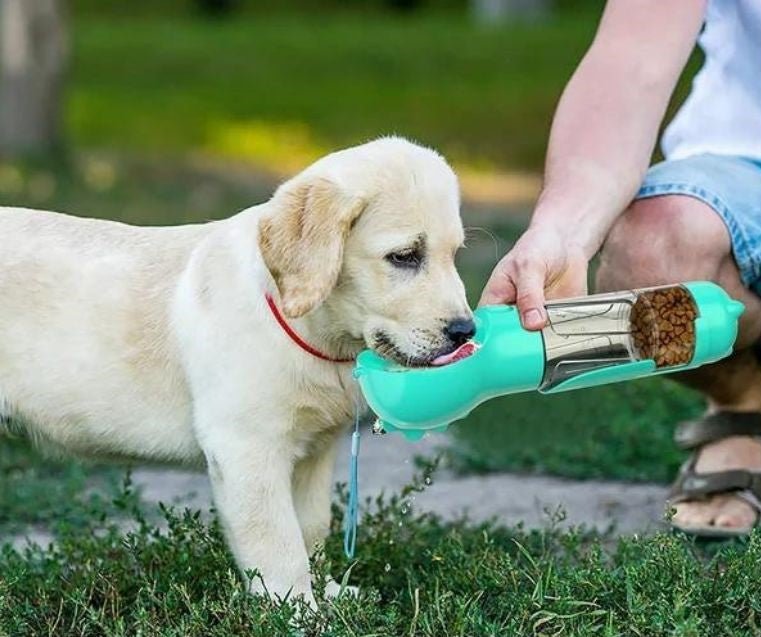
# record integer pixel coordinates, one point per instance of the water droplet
(391, 541)
(387, 568)
(428, 481)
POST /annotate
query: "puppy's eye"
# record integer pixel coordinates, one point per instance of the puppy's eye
(409, 259)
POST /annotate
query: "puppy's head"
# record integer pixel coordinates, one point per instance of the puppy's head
(369, 235)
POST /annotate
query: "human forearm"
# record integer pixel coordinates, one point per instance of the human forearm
(602, 137)
(607, 120)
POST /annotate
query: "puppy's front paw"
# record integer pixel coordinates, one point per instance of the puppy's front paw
(333, 589)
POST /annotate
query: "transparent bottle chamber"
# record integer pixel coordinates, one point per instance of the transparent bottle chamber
(606, 330)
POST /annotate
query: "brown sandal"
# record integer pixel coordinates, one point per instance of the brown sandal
(690, 485)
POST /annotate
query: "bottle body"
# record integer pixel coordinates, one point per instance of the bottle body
(607, 330)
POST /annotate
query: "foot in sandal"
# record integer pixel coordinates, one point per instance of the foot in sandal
(718, 490)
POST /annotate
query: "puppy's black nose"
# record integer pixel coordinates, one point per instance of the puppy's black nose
(460, 330)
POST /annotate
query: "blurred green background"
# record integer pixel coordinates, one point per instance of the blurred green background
(181, 110)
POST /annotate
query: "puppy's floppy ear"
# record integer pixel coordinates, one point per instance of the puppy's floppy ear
(302, 243)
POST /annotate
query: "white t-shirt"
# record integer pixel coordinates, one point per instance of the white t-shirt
(722, 114)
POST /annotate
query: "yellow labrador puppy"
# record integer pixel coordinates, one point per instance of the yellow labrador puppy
(229, 344)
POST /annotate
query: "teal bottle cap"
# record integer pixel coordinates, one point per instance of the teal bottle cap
(417, 400)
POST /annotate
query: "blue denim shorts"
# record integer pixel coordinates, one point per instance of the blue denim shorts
(732, 187)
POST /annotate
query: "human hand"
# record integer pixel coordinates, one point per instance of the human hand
(542, 264)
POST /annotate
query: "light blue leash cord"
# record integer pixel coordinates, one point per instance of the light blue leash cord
(352, 505)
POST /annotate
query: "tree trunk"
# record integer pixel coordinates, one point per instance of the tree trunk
(33, 59)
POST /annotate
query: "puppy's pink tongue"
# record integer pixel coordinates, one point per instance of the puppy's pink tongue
(465, 350)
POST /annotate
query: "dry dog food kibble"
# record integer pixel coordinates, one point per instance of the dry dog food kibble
(663, 326)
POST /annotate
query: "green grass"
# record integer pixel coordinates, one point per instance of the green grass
(613, 432)
(140, 190)
(279, 88)
(418, 576)
(36, 492)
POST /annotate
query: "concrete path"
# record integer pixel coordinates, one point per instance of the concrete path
(387, 463)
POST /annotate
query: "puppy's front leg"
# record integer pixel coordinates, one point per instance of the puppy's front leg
(251, 481)
(312, 480)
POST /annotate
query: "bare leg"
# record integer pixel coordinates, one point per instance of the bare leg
(677, 238)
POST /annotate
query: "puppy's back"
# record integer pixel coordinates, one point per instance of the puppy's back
(84, 335)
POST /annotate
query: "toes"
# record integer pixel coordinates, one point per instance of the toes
(722, 511)
(735, 514)
(693, 513)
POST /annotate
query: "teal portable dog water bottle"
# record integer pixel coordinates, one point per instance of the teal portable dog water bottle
(588, 341)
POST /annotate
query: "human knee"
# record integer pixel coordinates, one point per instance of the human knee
(663, 240)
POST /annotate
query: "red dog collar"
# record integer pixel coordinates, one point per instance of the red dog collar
(296, 338)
